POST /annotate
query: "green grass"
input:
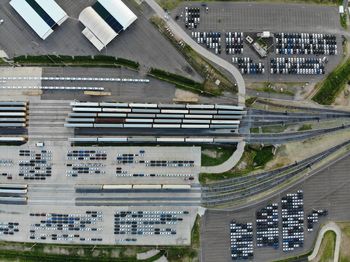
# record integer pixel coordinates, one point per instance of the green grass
(269, 129)
(274, 91)
(254, 157)
(172, 4)
(328, 242)
(250, 101)
(305, 127)
(178, 80)
(223, 153)
(195, 233)
(333, 84)
(343, 19)
(62, 60)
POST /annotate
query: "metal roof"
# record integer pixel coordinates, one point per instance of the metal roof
(40, 15)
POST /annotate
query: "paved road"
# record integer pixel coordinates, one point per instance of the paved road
(180, 33)
(333, 227)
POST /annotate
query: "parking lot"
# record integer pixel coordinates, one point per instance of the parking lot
(324, 191)
(97, 225)
(141, 42)
(223, 28)
(59, 163)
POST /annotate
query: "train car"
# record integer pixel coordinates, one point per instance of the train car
(171, 139)
(112, 139)
(187, 187)
(174, 111)
(85, 120)
(142, 105)
(108, 125)
(12, 114)
(230, 122)
(121, 110)
(164, 120)
(229, 107)
(12, 139)
(204, 112)
(138, 120)
(199, 140)
(190, 106)
(13, 191)
(135, 115)
(82, 139)
(78, 125)
(5, 200)
(199, 116)
(224, 126)
(195, 126)
(86, 109)
(169, 116)
(82, 114)
(15, 108)
(196, 121)
(14, 186)
(229, 112)
(111, 187)
(110, 120)
(142, 139)
(137, 125)
(12, 125)
(84, 104)
(146, 186)
(166, 126)
(174, 106)
(147, 110)
(227, 140)
(103, 104)
(10, 103)
(228, 116)
(111, 115)
(19, 120)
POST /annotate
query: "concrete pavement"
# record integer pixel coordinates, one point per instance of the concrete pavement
(333, 227)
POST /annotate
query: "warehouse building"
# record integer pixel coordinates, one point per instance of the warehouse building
(43, 16)
(105, 20)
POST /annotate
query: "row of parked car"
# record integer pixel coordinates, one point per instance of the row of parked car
(305, 43)
(241, 240)
(247, 66)
(293, 221)
(313, 218)
(234, 42)
(147, 222)
(267, 226)
(297, 65)
(37, 167)
(212, 40)
(192, 17)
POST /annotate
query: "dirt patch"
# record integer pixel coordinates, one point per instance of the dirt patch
(185, 96)
(344, 98)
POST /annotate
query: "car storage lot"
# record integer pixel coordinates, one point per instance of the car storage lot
(251, 18)
(326, 190)
(60, 155)
(141, 42)
(95, 225)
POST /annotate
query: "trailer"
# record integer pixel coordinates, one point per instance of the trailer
(166, 126)
(112, 139)
(86, 109)
(111, 187)
(140, 105)
(171, 139)
(190, 106)
(14, 186)
(122, 110)
(84, 104)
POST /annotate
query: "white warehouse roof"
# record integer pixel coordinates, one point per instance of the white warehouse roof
(105, 20)
(41, 15)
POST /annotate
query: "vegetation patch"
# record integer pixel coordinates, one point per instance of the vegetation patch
(305, 127)
(63, 60)
(343, 21)
(213, 156)
(250, 101)
(333, 84)
(179, 81)
(327, 246)
(254, 158)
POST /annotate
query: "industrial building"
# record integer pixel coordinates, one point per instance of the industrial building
(105, 20)
(43, 16)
